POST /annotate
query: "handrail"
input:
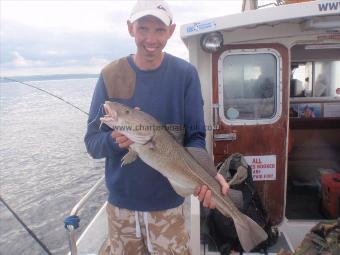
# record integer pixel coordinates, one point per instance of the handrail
(80, 204)
(71, 222)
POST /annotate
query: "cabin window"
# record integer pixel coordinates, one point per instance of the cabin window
(248, 86)
(315, 79)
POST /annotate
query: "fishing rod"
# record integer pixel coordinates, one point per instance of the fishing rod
(47, 92)
(26, 227)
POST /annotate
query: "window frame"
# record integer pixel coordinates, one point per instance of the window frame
(278, 104)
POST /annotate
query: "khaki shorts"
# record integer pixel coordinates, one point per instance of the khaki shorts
(140, 233)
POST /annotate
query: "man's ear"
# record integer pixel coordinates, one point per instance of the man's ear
(130, 28)
(172, 29)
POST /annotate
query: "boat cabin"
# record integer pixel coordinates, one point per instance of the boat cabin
(270, 81)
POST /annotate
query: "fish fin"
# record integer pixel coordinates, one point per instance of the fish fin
(199, 173)
(249, 232)
(203, 159)
(129, 157)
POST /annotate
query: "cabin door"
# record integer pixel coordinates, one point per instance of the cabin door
(250, 98)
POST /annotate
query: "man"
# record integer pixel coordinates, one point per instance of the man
(144, 212)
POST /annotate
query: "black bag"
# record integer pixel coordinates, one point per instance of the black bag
(221, 229)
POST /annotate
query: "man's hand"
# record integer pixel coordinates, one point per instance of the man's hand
(122, 140)
(205, 195)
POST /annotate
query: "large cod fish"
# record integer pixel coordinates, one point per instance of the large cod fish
(160, 150)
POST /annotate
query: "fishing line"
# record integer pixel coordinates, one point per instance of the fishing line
(101, 107)
(26, 227)
(47, 92)
(60, 98)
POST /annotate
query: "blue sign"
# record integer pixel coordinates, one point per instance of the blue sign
(201, 26)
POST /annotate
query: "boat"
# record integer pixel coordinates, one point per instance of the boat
(271, 88)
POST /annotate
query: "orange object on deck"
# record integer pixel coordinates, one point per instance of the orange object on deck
(330, 184)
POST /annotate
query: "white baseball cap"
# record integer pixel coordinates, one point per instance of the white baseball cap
(158, 8)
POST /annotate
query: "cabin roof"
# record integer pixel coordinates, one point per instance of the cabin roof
(296, 13)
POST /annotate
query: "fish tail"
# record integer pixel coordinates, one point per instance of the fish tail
(249, 232)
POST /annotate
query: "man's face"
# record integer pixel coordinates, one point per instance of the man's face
(151, 36)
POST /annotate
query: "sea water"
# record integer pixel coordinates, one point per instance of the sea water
(45, 169)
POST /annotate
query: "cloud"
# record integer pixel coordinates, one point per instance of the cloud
(51, 52)
(19, 60)
(56, 36)
(71, 15)
(100, 61)
(39, 46)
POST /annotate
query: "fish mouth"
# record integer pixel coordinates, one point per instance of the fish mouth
(110, 112)
(111, 116)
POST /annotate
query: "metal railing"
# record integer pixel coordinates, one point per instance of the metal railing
(72, 221)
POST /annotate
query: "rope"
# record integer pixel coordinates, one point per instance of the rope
(47, 92)
(26, 227)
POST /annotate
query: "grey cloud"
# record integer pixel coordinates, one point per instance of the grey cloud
(54, 48)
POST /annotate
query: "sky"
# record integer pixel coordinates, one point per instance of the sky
(66, 37)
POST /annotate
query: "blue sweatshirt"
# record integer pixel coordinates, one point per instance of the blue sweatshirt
(172, 94)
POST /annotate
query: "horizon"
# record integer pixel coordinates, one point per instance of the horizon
(47, 77)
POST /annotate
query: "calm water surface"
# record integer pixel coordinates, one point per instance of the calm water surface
(45, 169)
